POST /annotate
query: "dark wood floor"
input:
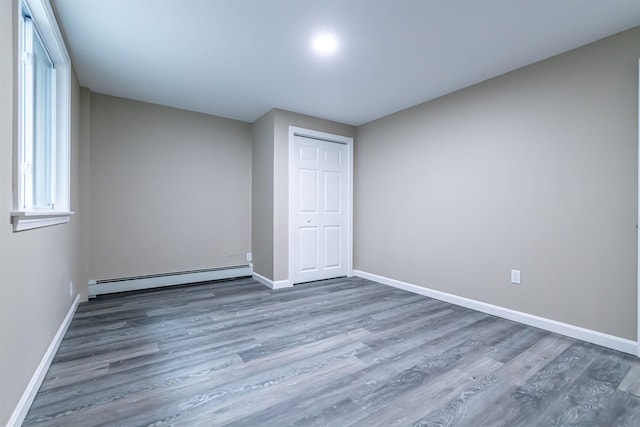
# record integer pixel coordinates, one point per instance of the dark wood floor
(335, 353)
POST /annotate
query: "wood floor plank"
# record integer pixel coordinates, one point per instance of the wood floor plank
(104, 389)
(455, 412)
(432, 367)
(631, 382)
(515, 344)
(440, 330)
(218, 388)
(340, 352)
(471, 406)
(263, 398)
(409, 407)
(523, 366)
(623, 410)
(360, 383)
(528, 402)
(589, 394)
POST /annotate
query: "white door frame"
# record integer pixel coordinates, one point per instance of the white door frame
(297, 131)
(637, 224)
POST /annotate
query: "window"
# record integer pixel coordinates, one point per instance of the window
(41, 195)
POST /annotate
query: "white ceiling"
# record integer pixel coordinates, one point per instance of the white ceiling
(240, 58)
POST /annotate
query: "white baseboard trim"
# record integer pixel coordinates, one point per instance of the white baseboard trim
(588, 335)
(101, 287)
(278, 284)
(21, 410)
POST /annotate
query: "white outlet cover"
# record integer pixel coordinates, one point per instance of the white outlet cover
(515, 277)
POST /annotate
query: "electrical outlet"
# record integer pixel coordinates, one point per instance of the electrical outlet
(249, 257)
(70, 289)
(515, 277)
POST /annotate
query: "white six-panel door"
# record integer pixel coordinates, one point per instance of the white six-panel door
(319, 209)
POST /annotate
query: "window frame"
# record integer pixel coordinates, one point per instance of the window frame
(24, 215)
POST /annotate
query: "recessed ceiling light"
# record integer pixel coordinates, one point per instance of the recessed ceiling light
(325, 44)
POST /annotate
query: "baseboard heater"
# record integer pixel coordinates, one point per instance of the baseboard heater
(124, 284)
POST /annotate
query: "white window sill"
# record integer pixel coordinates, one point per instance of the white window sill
(36, 219)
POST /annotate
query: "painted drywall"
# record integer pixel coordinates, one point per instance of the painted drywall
(262, 195)
(535, 170)
(284, 119)
(84, 195)
(170, 190)
(37, 265)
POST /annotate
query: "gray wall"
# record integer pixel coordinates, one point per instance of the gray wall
(170, 190)
(262, 196)
(84, 196)
(535, 170)
(37, 265)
